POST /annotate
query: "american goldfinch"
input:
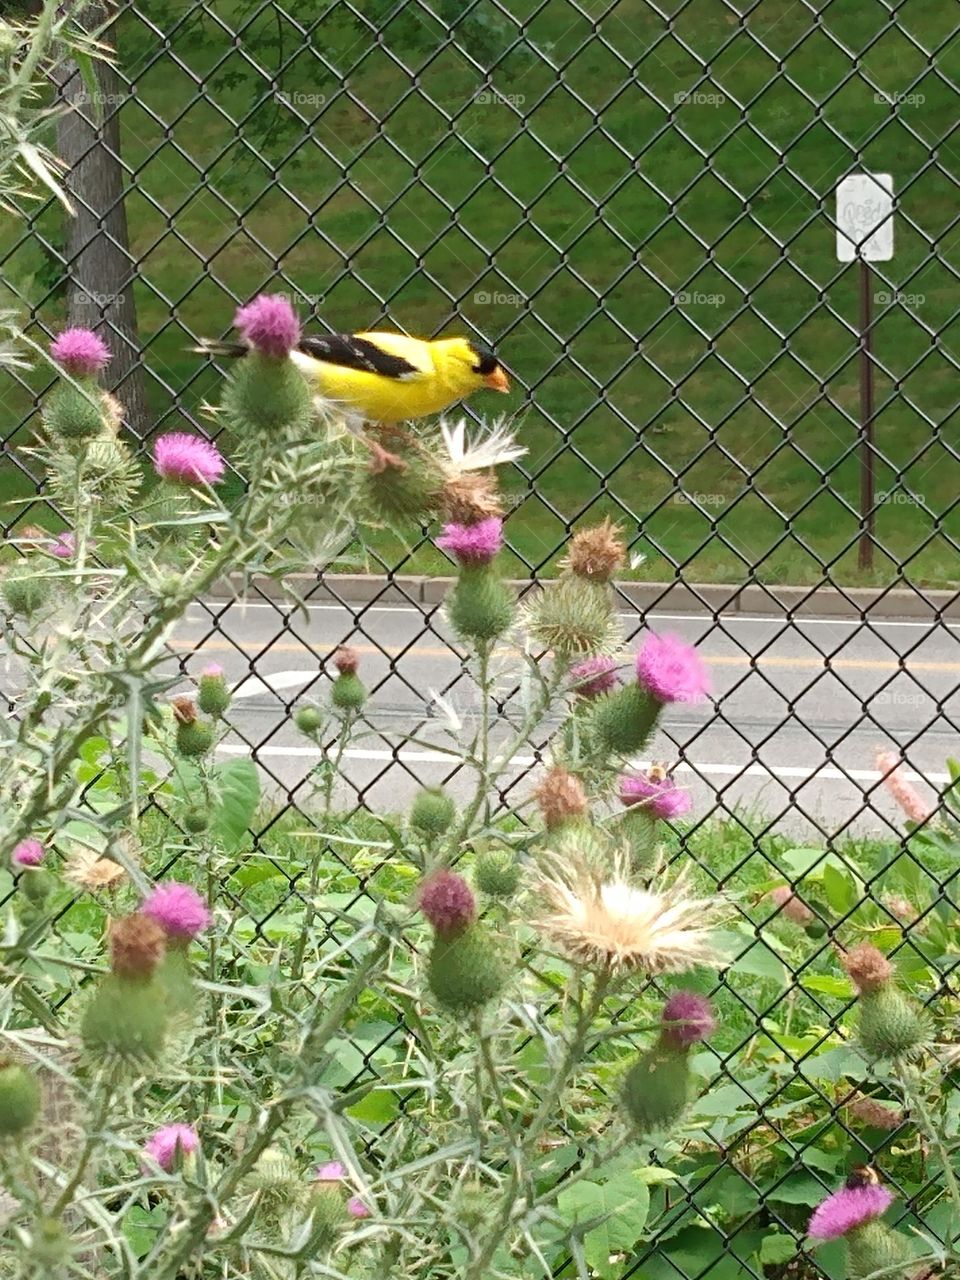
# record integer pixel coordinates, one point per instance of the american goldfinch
(388, 377)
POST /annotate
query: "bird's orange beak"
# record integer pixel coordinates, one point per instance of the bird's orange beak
(498, 380)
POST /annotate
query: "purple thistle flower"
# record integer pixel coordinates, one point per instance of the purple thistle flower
(80, 352)
(448, 902)
(212, 671)
(179, 909)
(687, 1019)
(333, 1171)
(848, 1208)
(671, 669)
(269, 324)
(594, 676)
(185, 459)
(64, 547)
(28, 853)
(162, 1148)
(661, 797)
(473, 543)
(356, 1208)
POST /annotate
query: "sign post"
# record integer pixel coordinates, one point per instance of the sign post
(865, 235)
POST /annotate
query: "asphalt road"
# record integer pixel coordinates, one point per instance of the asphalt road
(798, 712)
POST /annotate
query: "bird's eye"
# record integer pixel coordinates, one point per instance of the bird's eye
(487, 362)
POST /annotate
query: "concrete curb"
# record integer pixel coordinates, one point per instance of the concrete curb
(861, 603)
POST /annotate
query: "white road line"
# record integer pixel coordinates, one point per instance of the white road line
(826, 773)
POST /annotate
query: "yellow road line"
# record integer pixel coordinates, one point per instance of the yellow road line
(712, 659)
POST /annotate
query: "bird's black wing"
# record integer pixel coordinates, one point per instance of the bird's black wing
(351, 352)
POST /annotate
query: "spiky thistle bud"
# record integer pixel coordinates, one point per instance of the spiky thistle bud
(496, 874)
(308, 719)
(126, 1018)
(596, 554)
(20, 1099)
(466, 969)
(480, 606)
(561, 798)
(891, 1025)
(137, 946)
(213, 695)
(77, 413)
(347, 693)
(24, 591)
(433, 811)
(622, 721)
(194, 737)
(572, 617)
(447, 901)
(196, 821)
(658, 1088)
(403, 483)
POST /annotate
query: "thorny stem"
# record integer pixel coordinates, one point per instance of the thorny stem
(94, 1131)
(912, 1085)
(511, 1200)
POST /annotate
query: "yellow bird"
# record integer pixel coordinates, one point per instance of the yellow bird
(388, 377)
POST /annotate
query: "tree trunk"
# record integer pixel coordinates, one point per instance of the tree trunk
(100, 267)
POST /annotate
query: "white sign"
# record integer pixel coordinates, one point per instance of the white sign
(865, 217)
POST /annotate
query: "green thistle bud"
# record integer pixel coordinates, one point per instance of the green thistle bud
(196, 820)
(624, 719)
(657, 1090)
(24, 593)
(403, 484)
(327, 1215)
(50, 1247)
(308, 719)
(497, 875)
(433, 811)
(639, 829)
(273, 1169)
(36, 884)
(573, 616)
(213, 696)
(891, 1026)
(19, 1100)
(9, 41)
(194, 738)
(267, 401)
(480, 606)
(75, 412)
(874, 1246)
(126, 1017)
(347, 692)
(466, 970)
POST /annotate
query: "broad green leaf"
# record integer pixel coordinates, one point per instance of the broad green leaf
(841, 889)
(777, 1249)
(238, 785)
(622, 1204)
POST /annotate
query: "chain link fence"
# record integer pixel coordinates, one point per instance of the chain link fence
(635, 205)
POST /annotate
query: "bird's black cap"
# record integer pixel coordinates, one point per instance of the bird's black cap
(487, 361)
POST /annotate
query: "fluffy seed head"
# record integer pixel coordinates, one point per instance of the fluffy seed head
(181, 458)
(168, 1143)
(594, 676)
(687, 1019)
(178, 909)
(790, 906)
(671, 669)
(269, 324)
(88, 870)
(184, 710)
(346, 660)
(28, 853)
(137, 945)
(80, 352)
(848, 1208)
(660, 796)
(448, 902)
(869, 969)
(597, 553)
(561, 798)
(472, 544)
(602, 920)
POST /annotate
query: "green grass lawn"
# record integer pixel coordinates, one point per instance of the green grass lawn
(411, 207)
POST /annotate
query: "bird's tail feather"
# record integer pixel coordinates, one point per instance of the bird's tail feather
(213, 347)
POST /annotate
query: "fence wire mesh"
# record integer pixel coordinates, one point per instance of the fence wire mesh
(634, 204)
